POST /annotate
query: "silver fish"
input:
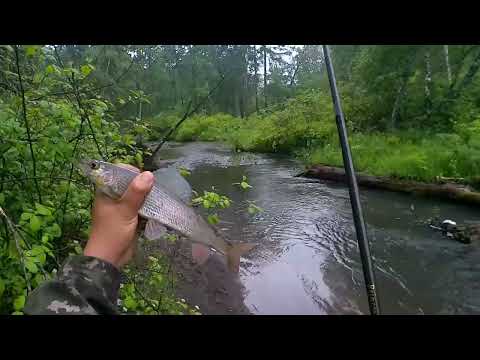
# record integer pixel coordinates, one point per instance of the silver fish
(163, 207)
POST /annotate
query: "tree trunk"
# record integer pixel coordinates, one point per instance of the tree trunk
(292, 79)
(194, 78)
(265, 73)
(174, 75)
(447, 64)
(139, 107)
(472, 71)
(243, 79)
(402, 91)
(428, 84)
(448, 191)
(255, 64)
(455, 92)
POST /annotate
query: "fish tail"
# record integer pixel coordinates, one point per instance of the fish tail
(235, 252)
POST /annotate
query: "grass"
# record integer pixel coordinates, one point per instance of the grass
(304, 127)
(422, 157)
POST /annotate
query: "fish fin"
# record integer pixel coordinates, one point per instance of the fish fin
(235, 252)
(154, 230)
(200, 253)
(171, 180)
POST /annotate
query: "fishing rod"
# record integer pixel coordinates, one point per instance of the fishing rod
(360, 228)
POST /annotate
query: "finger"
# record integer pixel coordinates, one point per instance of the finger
(136, 192)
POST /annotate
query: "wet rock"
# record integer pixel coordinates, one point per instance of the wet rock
(464, 234)
(449, 225)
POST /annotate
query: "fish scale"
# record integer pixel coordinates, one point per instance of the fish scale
(159, 205)
(162, 207)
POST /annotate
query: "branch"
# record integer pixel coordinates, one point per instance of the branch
(186, 115)
(17, 244)
(82, 111)
(70, 175)
(85, 115)
(85, 90)
(150, 304)
(24, 108)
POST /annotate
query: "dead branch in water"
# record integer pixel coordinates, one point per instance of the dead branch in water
(447, 190)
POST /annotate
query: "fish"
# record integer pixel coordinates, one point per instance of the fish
(166, 206)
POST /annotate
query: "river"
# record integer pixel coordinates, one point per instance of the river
(307, 261)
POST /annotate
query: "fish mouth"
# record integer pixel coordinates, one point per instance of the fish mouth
(84, 165)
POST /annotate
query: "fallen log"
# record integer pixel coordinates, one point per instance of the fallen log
(449, 191)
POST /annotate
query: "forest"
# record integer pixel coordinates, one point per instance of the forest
(412, 111)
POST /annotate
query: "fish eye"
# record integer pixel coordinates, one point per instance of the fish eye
(93, 165)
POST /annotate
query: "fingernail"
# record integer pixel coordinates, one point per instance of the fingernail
(146, 178)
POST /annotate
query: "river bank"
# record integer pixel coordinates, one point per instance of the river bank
(447, 190)
(306, 260)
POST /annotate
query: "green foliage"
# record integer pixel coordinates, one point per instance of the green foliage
(106, 101)
(212, 200)
(184, 172)
(404, 155)
(253, 209)
(149, 291)
(243, 184)
(46, 198)
(305, 126)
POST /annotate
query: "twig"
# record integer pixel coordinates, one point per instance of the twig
(85, 115)
(82, 111)
(17, 244)
(153, 306)
(65, 201)
(185, 116)
(62, 93)
(24, 108)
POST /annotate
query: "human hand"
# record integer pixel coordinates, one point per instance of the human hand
(114, 222)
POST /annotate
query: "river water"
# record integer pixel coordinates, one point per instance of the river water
(307, 261)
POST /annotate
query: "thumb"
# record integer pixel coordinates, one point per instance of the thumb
(137, 191)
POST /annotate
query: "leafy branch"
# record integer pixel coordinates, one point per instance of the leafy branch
(27, 126)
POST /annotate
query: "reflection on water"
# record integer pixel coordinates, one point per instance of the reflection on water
(307, 261)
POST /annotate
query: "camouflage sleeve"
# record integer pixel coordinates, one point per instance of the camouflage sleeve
(85, 285)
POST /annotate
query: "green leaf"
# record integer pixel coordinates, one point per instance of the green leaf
(213, 219)
(17, 313)
(42, 210)
(130, 303)
(25, 216)
(31, 266)
(184, 172)
(244, 185)
(35, 223)
(139, 159)
(253, 209)
(12, 250)
(55, 230)
(86, 69)
(45, 238)
(31, 50)
(206, 204)
(19, 303)
(2, 198)
(2, 287)
(50, 69)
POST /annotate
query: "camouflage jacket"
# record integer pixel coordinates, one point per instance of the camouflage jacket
(84, 286)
